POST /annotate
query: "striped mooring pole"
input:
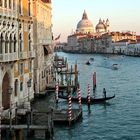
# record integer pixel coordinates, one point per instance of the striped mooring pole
(69, 109)
(79, 99)
(88, 99)
(56, 92)
(94, 80)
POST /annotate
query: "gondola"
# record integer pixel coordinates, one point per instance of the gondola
(84, 99)
(87, 63)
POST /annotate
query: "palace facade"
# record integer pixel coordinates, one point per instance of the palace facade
(25, 50)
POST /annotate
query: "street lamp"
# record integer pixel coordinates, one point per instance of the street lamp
(10, 90)
(29, 85)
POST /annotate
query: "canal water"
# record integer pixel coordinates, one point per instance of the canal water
(119, 118)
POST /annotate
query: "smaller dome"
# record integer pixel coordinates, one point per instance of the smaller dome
(100, 25)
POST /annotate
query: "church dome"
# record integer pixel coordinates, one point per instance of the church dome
(100, 25)
(85, 25)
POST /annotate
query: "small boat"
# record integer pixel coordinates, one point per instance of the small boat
(87, 63)
(92, 59)
(115, 66)
(84, 99)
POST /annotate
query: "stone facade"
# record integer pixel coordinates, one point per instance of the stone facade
(43, 45)
(26, 50)
(16, 52)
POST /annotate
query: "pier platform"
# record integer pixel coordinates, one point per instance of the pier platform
(60, 117)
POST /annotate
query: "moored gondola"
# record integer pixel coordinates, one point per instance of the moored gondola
(84, 99)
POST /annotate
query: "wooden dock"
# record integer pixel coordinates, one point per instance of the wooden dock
(61, 116)
(19, 127)
(61, 87)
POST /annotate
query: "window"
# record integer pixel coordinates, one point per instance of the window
(14, 5)
(0, 3)
(21, 86)
(21, 68)
(10, 44)
(20, 43)
(14, 46)
(20, 7)
(1, 39)
(29, 8)
(5, 3)
(29, 42)
(9, 4)
(30, 66)
(16, 87)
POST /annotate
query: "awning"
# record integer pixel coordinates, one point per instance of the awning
(47, 49)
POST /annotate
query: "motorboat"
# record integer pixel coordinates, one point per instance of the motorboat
(115, 66)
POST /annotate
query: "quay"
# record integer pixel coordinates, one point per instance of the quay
(61, 116)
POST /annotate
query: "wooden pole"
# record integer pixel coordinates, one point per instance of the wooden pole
(94, 81)
(75, 72)
(79, 99)
(69, 109)
(88, 99)
(56, 92)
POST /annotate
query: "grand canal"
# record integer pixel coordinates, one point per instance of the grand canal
(119, 119)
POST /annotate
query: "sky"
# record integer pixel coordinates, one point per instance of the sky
(124, 15)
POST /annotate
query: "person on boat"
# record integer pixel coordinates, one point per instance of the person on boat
(104, 92)
(88, 63)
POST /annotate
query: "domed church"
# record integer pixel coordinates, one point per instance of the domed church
(85, 26)
(102, 26)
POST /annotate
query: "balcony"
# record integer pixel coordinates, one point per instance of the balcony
(22, 55)
(31, 54)
(8, 12)
(8, 57)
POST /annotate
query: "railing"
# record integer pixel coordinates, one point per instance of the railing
(8, 57)
(8, 12)
(23, 55)
(31, 54)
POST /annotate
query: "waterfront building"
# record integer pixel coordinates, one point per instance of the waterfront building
(82, 39)
(85, 40)
(16, 53)
(42, 44)
(117, 36)
(133, 49)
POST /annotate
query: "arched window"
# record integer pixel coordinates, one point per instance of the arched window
(6, 44)
(10, 43)
(15, 43)
(20, 42)
(29, 42)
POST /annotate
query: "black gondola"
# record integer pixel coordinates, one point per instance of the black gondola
(84, 99)
(87, 63)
